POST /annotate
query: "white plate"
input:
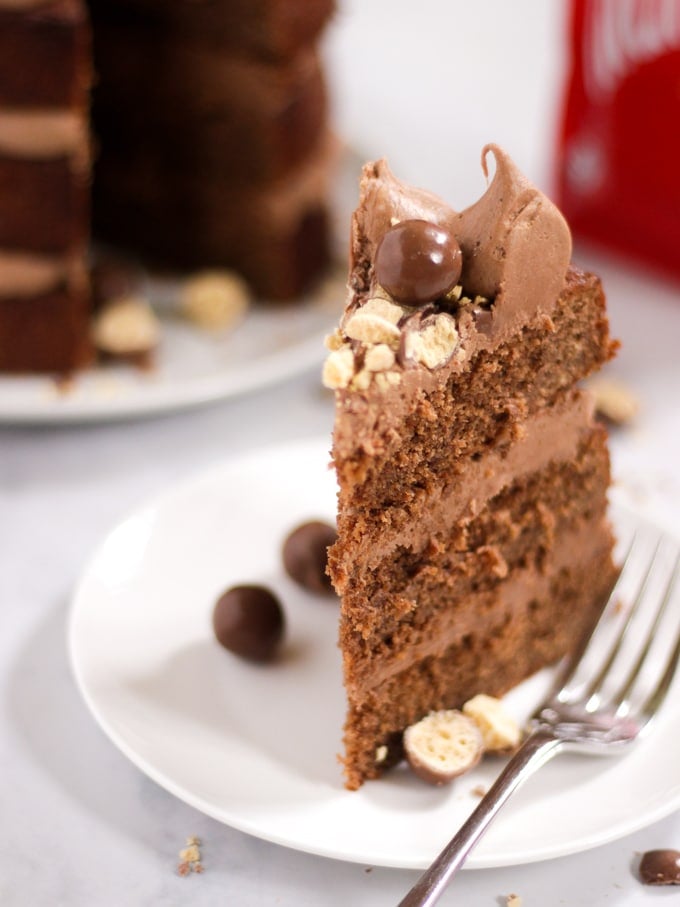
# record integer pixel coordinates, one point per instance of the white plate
(255, 747)
(192, 367)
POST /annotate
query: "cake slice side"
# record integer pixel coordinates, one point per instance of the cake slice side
(472, 480)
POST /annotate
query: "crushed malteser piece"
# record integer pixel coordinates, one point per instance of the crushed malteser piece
(362, 380)
(381, 381)
(371, 328)
(500, 731)
(385, 380)
(383, 307)
(480, 300)
(443, 745)
(614, 400)
(190, 854)
(214, 299)
(338, 369)
(379, 358)
(435, 343)
(334, 341)
(513, 900)
(126, 327)
(381, 754)
(190, 857)
(454, 294)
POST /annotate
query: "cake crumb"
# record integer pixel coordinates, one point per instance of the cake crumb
(513, 900)
(478, 790)
(190, 857)
(190, 854)
(381, 754)
(614, 401)
(64, 385)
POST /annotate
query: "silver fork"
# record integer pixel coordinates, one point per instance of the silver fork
(598, 705)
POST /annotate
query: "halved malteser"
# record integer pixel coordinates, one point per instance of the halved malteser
(500, 731)
(443, 745)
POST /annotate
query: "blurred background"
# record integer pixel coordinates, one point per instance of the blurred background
(426, 85)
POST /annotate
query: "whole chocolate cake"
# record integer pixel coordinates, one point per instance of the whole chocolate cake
(473, 542)
(45, 160)
(195, 131)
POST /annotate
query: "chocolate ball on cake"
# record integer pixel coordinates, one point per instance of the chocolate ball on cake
(417, 262)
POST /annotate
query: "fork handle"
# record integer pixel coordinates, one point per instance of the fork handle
(540, 746)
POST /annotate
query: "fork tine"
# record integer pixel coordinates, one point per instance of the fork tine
(623, 694)
(561, 687)
(593, 688)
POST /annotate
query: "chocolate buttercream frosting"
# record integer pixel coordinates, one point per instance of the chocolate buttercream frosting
(516, 245)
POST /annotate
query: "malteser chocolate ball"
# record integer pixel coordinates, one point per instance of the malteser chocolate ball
(305, 555)
(417, 262)
(249, 621)
(443, 745)
(660, 867)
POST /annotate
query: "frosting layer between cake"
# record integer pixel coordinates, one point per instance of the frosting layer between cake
(550, 435)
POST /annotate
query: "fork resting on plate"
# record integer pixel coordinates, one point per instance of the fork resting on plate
(598, 705)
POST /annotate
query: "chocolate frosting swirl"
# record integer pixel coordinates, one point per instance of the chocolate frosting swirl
(516, 245)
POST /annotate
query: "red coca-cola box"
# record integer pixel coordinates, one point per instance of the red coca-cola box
(618, 156)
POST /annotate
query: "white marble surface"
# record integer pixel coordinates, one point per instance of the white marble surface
(79, 825)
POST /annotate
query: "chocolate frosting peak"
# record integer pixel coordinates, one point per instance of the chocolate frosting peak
(516, 245)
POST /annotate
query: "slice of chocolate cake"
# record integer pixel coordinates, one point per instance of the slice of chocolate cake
(473, 541)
